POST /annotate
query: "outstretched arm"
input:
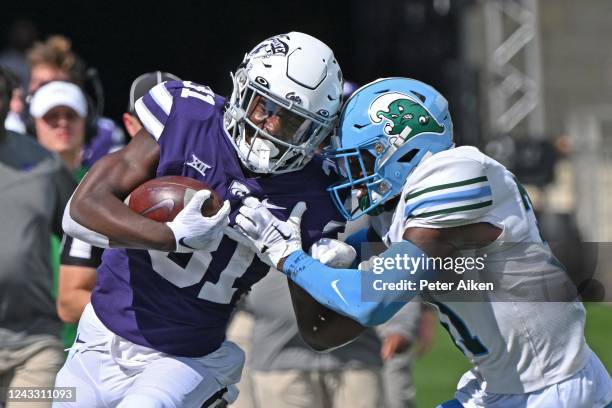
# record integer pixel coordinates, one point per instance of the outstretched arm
(336, 289)
(341, 289)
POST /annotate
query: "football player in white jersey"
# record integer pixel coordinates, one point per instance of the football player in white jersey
(430, 200)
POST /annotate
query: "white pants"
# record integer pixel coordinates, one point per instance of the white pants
(590, 387)
(109, 371)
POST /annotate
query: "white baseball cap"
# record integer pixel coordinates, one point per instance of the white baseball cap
(58, 93)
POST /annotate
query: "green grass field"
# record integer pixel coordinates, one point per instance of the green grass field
(437, 373)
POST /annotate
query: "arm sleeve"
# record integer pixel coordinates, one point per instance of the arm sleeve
(79, 253)
(448, 192)
(153, 109)
(357, 238)
(341, 289)
(76, 230)
(65, 185)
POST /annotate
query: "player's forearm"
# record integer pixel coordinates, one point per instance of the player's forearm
(107, 215)
(337, 289)
(340, 289)
(98, 203)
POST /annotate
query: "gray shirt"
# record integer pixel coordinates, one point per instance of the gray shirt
(277, 345)
(34, 189)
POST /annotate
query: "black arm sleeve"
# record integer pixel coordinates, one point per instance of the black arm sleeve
(79, 253)
(64, 184)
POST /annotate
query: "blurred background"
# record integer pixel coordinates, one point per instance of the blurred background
(528, 81)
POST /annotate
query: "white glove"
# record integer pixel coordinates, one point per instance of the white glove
(192, 231)
(333, 253)
(275, 239)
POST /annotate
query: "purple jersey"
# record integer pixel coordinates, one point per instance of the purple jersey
(181, 303)
(108, 138)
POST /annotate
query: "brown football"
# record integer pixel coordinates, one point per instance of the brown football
(162, 198)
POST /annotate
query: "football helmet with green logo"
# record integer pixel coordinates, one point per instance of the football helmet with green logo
(386, 129)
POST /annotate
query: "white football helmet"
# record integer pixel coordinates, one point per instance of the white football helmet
(292, 79)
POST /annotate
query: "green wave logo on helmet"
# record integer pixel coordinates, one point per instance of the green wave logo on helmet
(404, 115)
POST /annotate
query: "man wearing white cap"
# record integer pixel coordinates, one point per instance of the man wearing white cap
(34, 189)
(59, 110)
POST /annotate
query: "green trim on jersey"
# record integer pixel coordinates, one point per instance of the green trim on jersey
(453, 209)
(80, 172)
(55, 252)
(445, 186)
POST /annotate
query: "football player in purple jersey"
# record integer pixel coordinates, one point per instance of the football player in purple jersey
(154, 333)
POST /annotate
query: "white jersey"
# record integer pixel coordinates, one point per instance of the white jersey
(515, 346)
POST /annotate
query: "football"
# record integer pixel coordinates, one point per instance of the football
(162, 198)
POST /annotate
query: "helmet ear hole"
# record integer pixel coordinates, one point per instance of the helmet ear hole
(407, 158)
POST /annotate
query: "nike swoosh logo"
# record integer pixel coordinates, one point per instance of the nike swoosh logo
(281, 233)
(268, 204)
(166, 203)
(334, 286)
(182, 242)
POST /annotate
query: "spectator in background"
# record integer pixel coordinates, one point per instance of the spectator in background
(401, 343)
(14, 120)
(20, 37)
(140, 86)
(79, 260)
(54, 60)
(59, 110)
(34, 189)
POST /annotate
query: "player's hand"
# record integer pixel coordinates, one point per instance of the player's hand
(192, 231)
(275, 239)
(333, 253)
(427, 332)
(392, 344)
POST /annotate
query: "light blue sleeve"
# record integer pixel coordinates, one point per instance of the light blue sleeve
(341, 289)
(356, 239)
